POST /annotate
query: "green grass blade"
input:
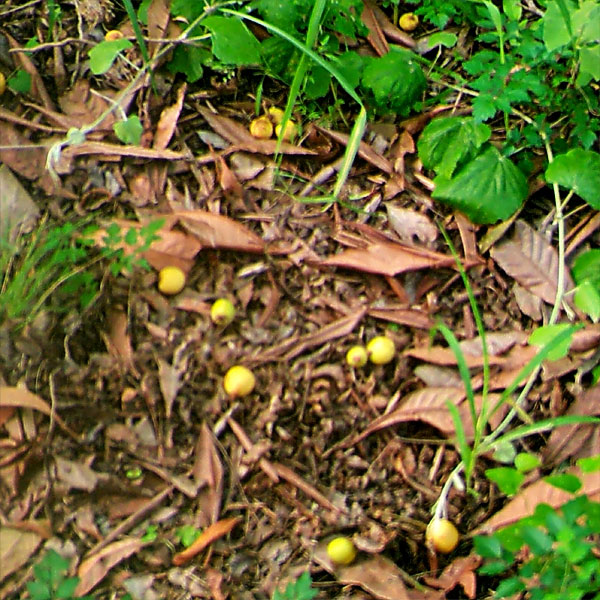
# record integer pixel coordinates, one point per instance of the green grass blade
(351, 149)
(139, 36)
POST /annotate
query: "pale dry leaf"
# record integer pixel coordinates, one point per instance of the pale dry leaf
(460, 571)
(169, 380)
(440, 355)
(76, 475)
(497, 342)
(404, 316)
(436, 376)
(387, 258)
(16, 547)
(94, 568)
(245, 166)
(531, 261)
(18, 212)
(117, 340)
(408, 223)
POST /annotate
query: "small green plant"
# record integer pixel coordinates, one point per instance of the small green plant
(586, 274)
(301, 589)
(52, 266)
(187, 535)
(549, 554)
(51, 582)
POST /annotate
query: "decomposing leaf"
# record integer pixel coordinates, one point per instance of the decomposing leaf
(531, 261)
(76, 475)
(94, 568)
(168, 121)
(207, 537)
(28, 162)
(439, 355)
(497, 342)
(117, 339)
(208, 471)
(386, 258)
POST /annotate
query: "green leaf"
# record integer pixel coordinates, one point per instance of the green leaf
(488, 546)
(487, 189)
(447, 141)
(232, 42)
(508, 480)
(512, 9)
(587, 267)
(39, 591)
(509, 587)
(442, 38)
(589, 464)
(578, 170)
(587, 299)
(395, 81)
(564, 481)
(104, 54)
(129, 131)
(539, 541)
(20, 82)
(504, 452)
(189, 60)
(525, 462)
(544, 335)
(556, 32)
(66, 589)
(589, 61)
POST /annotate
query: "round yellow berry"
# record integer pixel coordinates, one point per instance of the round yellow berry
(222, 312)
(112, 35)
(408, 21)
(289, 133)
(442, 535)
(239, 381)
(261, 128)
(356, 356)
(341, 550)
(2, 83)
(276, 114)
(171, 280)
(381, 350)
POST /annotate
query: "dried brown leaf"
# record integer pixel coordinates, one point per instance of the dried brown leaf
(28, 162)
(498, 342)
(168, 121)
(440, 355)
(94, 568)
(16, 547)
(531, 261)
(365, 151)
(18, 212)
(239, 136)
(375, 35)
(408, 223)
(76, 475)
(460, 571)
(404, 316)
(208, 470)
(566, 441)
(207, 537)
(524, 503)
(386, 258)
(219, 231)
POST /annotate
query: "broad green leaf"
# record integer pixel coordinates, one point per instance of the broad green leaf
(505, 452)
(556, 32)
(564, 481)
(590, 464)
(447, 141)
(526, 462)
(442, 38)
(587, 299)
(509, 587)
(104, 54)
(538, 541)
(232, 42)
(578, 170)
(20, 82)
(544, 335)
(507, 479)
(587, 266)
(512, 9)
(487, 189)
(129, 131)
(488, 546)
(395, 81)
(189, 60)
(586, 22)
(589, 61)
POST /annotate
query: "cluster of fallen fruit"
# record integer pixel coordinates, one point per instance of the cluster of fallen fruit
(441, 535)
